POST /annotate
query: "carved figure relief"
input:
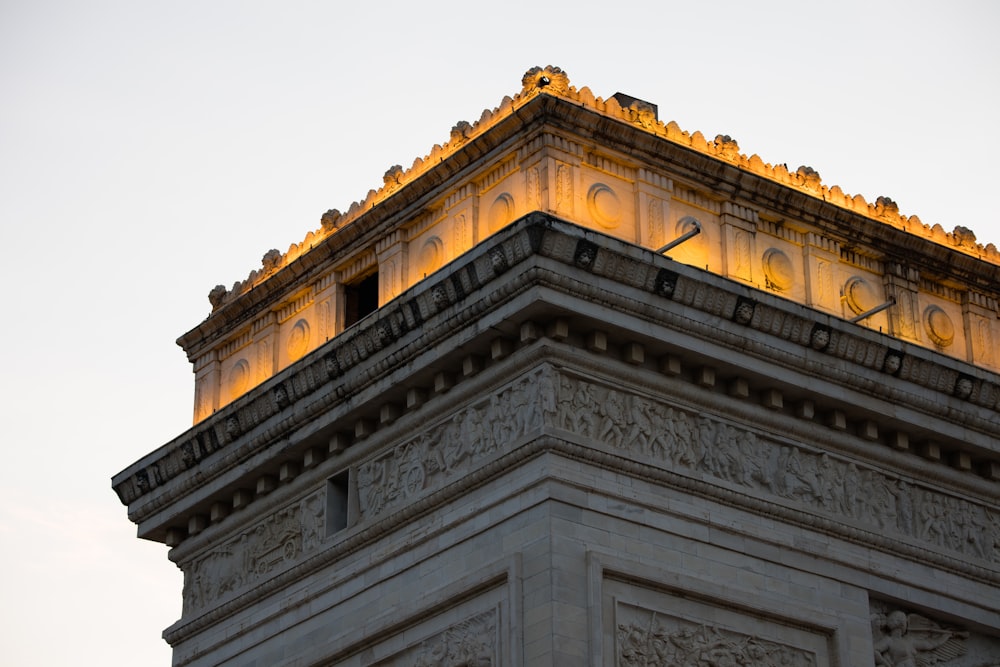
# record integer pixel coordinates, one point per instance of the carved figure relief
(901, 639)
(644, 638)
(248, 558)
(604, 206)
(471, 643)
(680, 440)
(456, 444)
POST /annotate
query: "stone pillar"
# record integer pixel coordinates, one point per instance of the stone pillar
(653, 192)
(981, 319)
(207, 380)
(902, 284)
(821, 257)
(739, 229)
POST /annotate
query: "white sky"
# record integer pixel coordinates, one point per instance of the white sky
(151, 150)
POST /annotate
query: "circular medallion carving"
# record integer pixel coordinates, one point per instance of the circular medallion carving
(298, 340)
(778, 269)
(685, 225)
(604, 205)
(939, 326)
(239, 379)
(501, 212)
(860, 295)
(431, 256)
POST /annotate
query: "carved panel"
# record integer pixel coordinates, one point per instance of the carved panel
(255, 554)
(604, 205)
(938, 326)
(501, 212)
(239, 379)
(741, 251)
(779, 273)
(564, 189)
(328, 319)
(534, 187)
(983, 346)
(657, 228)
(265, 361)
(471, 643)
(455, 445)
(463, 240)
(901, 637)
(684, 441)
(647, 638)
(824, 284)
(298, 340)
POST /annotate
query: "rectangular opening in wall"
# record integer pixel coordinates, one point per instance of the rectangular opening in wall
(337, 491)
(361, 298)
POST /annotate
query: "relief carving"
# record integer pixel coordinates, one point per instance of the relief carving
(564, 188)
(684, 440)
(455, 445)
(264, 360)
(741, 241)
(471, 643)
(644, 638)
(901, 639)
(462, 240)
(657, 230)
(282, 537)
(534, 189)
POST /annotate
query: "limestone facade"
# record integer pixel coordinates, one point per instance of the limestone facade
(549, 444)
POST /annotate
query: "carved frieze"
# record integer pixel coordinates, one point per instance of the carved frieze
(471, 643)
(252, 556)
(684, 441)
(681, 440)
(455, 445)
(646, 638)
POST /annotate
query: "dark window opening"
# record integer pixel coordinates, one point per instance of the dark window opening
(362, 298)
(337, 490)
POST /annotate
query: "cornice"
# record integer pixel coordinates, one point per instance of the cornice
(547, 103)
(306, 400)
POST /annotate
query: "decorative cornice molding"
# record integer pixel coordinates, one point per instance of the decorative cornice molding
(547, 96)
(554, 254)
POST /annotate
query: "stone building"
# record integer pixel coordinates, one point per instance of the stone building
(582, 388)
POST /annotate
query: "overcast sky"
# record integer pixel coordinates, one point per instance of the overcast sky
(151, 150)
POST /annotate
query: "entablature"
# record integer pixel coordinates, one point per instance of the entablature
(921, 411)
